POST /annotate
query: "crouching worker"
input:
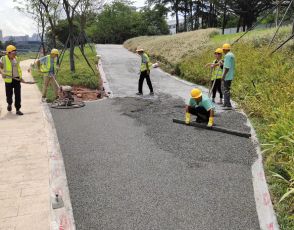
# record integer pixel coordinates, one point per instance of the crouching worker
(200, 106)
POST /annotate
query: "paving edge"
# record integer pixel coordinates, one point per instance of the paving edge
(264, 207)
(62, 218)
(266, 214)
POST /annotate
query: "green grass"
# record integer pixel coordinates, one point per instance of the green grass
(264, 88)
(83, 76)
(25, 56)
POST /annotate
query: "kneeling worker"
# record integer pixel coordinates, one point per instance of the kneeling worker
(201, 106)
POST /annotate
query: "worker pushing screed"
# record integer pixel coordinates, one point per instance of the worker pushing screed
(12, 75)
(200, 106)
(216, 69)
(47, 65)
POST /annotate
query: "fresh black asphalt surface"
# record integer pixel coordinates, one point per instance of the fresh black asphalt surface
(129, 167)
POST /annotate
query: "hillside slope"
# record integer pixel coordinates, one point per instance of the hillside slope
(263, 87)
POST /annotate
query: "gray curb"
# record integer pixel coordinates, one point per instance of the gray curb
(62, 218)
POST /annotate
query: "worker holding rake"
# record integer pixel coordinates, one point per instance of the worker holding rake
(12, 75)
(47, 65)
(216, 70)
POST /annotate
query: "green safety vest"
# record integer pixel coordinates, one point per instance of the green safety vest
(45, 68)
(8, 69)
(217, 72)
(143, 65)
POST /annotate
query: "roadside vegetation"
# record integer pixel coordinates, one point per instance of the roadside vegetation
(83, 75)
(27, 55)
(263, 88)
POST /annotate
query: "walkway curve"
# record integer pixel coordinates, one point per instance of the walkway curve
(129, 167)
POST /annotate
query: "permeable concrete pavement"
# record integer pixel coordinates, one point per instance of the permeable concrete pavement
(129, 167)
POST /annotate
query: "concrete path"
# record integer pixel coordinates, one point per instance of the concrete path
(24, 171)
(130, 167)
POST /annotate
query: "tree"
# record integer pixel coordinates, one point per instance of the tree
(85, 10)
(51, 8)
(248, 11)
(70, 9)
(152, 21)
(36, 10)
(1, 45)
(62, 31)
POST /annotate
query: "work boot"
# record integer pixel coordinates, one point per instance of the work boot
(9, 108)
(18, 112)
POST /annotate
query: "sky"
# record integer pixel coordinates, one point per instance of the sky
(15, 23)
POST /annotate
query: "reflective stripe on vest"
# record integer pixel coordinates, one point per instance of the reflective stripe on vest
(217, 72)
(8, 69)
(143, 65)
(45, 68)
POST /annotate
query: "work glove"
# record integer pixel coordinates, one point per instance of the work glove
(210, 122)
(188, 118)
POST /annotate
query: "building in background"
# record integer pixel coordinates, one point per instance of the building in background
(24, 43)
(172, 25)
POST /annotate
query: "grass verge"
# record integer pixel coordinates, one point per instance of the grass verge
(83, 76)
(263, 87)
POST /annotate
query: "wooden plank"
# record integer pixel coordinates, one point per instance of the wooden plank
(214, 128)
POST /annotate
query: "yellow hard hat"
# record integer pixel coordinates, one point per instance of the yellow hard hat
(218, 51)
(226, 46)
(10, 48)
(196, 93)
(55, 51)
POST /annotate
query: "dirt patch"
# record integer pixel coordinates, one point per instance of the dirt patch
(87, 94)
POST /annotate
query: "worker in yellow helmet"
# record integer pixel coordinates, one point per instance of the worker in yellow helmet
(12, 75)
(47, 65)
(144, 72)
(201, 106)
(216, 68)
(228, 74)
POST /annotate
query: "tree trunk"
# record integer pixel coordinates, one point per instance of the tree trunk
(185, 16)
(177, 20)
(224, 18)
(53, 33)
(191, 15)
(52, 25)
(293, 27)
(239, 24)
(71, 46)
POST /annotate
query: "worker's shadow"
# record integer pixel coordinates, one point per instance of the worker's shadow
(9, 116)
(13, 116)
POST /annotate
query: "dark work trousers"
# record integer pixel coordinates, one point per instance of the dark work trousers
(16, 87)
(217, 87)
(227, 93)
(200, 112)
(144, 75)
